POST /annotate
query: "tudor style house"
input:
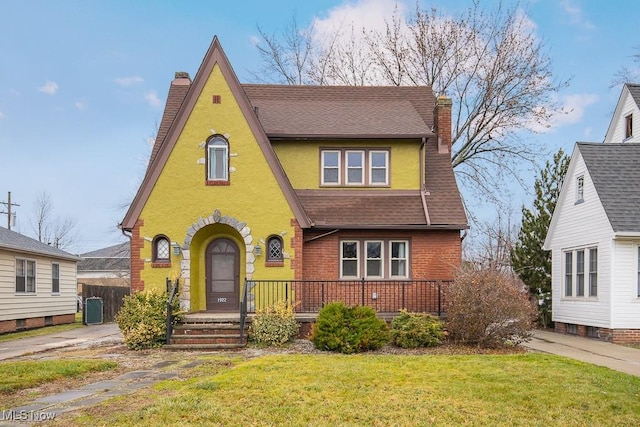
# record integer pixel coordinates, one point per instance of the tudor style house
(323, 187)
(594, 234)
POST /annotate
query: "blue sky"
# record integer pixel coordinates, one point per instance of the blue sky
(83, 84)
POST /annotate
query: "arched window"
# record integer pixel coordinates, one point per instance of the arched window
(161, 249)
(217, 159)
(274, 249)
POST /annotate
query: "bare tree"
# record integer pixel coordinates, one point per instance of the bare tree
(490, 63)
(490, 248)
(59, 232)
(627, 73)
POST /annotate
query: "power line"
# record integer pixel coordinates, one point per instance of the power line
(11, 216)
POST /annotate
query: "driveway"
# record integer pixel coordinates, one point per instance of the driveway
(87, 335)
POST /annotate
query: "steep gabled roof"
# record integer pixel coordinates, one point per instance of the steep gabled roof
(614, 170)
(287, 111)
(112, 258)
(634, 90)
(214, 56)
(629, 89)
(17, 242)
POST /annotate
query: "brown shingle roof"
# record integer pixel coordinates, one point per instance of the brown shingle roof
(343, 111)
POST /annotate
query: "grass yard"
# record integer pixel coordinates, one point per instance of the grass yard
(380, 390)
(15, 376)
(44, 330)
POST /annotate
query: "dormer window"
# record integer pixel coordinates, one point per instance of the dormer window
(580, 189)
(628, 123)
(217, 160)
(366, 167)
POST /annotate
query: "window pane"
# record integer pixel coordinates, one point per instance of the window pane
(399, 268)
(162, 249)
(349, 259)
(350, 268)
(374, 259)
(378, 167)
(354, 159)
(354, 176)
(568, 273)
(330, 159)
(593, 272)
(218, 150)
(378, 176)
(31, 276)
(274, 249)
(374, 249)
(378, 159)
(374, 268)
(330, 176)
(580, 273)
(398, 249)
(349, 250)
(55, 278)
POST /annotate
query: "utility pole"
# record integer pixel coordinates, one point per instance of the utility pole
(10, 215)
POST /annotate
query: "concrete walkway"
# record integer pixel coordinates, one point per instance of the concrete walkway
(85, 336)
(617, 357)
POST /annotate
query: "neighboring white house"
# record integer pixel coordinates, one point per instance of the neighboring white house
(625, 123)
(594, 237)
(37, 283)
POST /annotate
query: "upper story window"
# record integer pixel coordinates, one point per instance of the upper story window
(25, 276)
(274, 249)
(580, 189)
(367, 167)
(55, 278)
(628, 126)
(161, 249)
(217, 159)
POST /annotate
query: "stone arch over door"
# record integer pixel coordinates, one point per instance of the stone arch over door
(185, 264)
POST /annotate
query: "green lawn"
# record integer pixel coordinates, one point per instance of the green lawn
(44, 330)
(20, 375)
(381, 390)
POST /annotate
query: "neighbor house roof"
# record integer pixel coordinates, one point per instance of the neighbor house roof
(17, 242)
(634, 90)
(112, 258)
(614, 171)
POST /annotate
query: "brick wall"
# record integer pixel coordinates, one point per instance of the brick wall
(35, 322)
(616, 336)
(433, 254)
(296, 246)
(137, 263)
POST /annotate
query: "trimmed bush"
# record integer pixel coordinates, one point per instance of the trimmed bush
(489, 308)
(143, 319)
(274, 325)
(349, 329)
(413, 330)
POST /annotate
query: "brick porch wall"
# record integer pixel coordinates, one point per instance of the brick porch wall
(35, 322)
(433, 254)
(616, 336)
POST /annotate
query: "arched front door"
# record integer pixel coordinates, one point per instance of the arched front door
(223, 275)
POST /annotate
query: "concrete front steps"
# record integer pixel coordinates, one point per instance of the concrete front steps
(208, 331)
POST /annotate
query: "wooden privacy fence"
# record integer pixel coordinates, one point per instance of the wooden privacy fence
(112, 297)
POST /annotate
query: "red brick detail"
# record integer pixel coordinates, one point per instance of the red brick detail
(274, 264)
(217, 183)
(160, 264)
(36, 322)
(137, 262)
(217, 99)
(442, 119)
(297, 250)
(434, 255)
(616, 336)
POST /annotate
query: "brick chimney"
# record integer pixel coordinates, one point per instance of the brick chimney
(442, 118)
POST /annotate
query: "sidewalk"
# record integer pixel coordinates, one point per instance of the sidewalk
(87, 335)
(617, 357)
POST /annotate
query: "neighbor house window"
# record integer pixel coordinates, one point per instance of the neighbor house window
(161, 249)
(366, 167)
(580, 273)
(638, 272)
(374, 259)
(217, 159)
(580, 189)
(55, 278)
(349, 259)
(628, 126)
(568, 274)
(593, 272)
(25, 276)
(274, 249)
(399, 261)
(330, 167)
(379, 167)
(355, 167)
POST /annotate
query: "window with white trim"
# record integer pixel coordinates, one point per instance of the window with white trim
(55, 278)
(217, 159)
(580, 270)
(373, 263)
(366, 167)
(349, 259)
(580, 189)
(25, 276)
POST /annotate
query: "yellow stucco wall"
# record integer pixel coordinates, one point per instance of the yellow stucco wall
(301, 161)
(180, 195)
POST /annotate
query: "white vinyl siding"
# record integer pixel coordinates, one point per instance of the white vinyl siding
(618, 127)
(41, 303)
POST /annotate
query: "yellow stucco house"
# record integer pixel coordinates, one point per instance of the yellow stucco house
(312, 192)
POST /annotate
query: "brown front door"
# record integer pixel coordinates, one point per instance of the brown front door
(223, 276)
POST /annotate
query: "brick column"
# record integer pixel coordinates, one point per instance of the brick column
(137, 262)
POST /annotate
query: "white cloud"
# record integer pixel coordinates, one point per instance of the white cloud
(572, 112)
(576, 15)
(372, 14)
(152, 99)
(50, 88)
(2, 116)
(81, 105)
(128, 81)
